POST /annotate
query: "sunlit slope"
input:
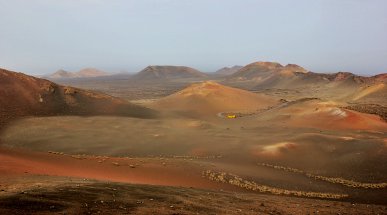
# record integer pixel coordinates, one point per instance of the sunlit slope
(208, 98)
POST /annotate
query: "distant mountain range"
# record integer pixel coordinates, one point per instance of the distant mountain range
(84, 73)
(260, 74)
(344, 86)
(262, 70)
(153, 73)
(271, 74)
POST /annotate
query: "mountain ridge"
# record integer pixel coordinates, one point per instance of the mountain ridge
(158, 72)
(83, 73)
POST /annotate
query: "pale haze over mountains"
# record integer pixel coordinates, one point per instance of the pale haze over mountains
(206, 35)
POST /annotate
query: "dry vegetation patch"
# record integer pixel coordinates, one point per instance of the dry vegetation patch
(235, 180)
(371, 109)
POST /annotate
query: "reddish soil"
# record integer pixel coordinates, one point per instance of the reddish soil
(131, 170)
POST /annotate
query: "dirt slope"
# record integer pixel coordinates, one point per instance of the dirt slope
(328, 115)
(59, 196)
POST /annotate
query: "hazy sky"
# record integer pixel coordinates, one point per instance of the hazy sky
(41, 36)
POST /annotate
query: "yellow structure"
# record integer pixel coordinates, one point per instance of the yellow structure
(231, 116)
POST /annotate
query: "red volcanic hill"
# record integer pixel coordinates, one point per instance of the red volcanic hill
(209, 98)
(154, 73)
(23, 95)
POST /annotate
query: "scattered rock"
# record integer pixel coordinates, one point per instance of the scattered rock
(69, 91)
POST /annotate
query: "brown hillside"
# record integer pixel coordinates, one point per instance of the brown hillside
(23, 95)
